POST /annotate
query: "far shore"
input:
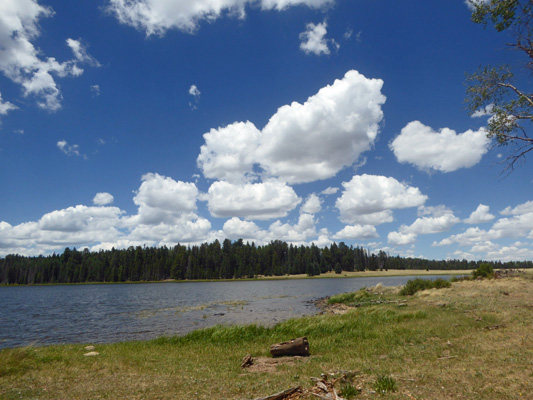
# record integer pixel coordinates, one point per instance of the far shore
(327, 275)
(374, 274)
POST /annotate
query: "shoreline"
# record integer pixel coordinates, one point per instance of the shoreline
(327, 275)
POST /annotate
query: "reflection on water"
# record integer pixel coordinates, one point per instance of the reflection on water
(111, 313)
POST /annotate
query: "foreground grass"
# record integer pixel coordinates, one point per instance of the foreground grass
(471, 341)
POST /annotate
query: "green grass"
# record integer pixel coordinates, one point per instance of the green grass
(428, 351)
(384, 384)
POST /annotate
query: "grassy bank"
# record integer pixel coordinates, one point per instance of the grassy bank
(471, 341)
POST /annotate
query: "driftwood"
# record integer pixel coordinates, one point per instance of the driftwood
(280, 395)
(294, 347)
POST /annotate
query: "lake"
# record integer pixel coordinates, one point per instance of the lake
(42, 315)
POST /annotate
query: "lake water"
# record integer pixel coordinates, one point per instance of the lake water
(41, 315)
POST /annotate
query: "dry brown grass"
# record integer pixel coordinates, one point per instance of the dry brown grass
(372, 274)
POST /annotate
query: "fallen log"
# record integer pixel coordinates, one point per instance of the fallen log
(294, 347)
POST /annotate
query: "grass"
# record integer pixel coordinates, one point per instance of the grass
(415, 285)
(472, 341)
(385, 384)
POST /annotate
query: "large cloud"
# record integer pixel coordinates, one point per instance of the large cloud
(21, 61)
(444, 151)
(369, 199)
(519, 225)
(301, 142)
(73, 226)
(267, 200)
(155, 17)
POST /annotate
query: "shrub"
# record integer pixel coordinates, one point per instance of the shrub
(414, 285)
(484, 270)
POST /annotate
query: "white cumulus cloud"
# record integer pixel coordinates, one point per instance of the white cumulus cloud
(266, 200)
(315, 140)
(356, 232)
(520, 209)
(235, 228)
(329, 190)
(444, 151)
(297, 233)
(313, 40)
(312, 205)
(23, 63)
(155, 17)
(103, 199)
(440, 219)
(301, 142)
(229, 153)
(401, 239)
(369, 199)
(480, 215)
(163, 200)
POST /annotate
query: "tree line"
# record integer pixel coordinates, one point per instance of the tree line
(226, 260)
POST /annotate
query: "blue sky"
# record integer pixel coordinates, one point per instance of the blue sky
(158, 122)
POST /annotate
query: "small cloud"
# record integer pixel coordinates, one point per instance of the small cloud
(103, 199)
(95, 89)
(473, 3)
(6, 106)
(348, 34)
(358, 36)
(80, 52)
(69, 150)
(100, 141)
(313, 40)
(195, 93)
(330, 190)
(483, 112)
(19, 131)
(480, 215)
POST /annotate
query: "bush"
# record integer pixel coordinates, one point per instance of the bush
(414, 285)
(484, 270)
